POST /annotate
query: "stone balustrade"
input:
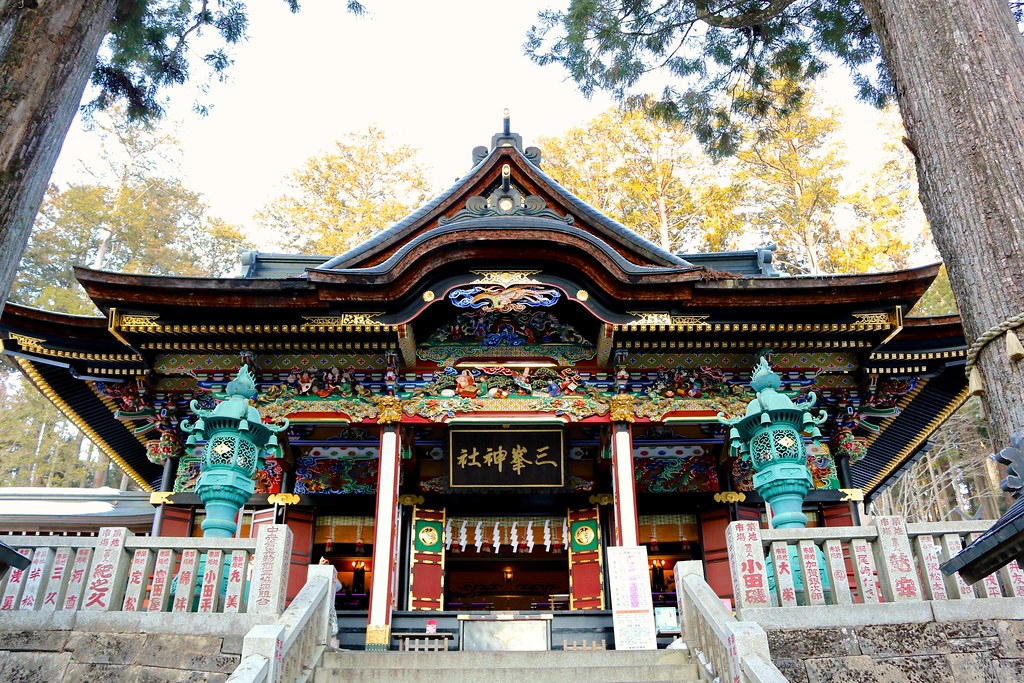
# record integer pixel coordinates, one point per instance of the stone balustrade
(288, 649)
(727, 649)
(886, 571)
(118, 571)
(115, 589)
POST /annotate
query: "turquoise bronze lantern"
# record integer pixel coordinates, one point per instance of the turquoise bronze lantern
(237, 443)
(770, 437)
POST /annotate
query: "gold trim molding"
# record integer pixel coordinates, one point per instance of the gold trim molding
(30, 344)
(730, 497)
(778, 345)
(505, 278)
(283, 499)
(875, 320)
(664, 319)
(366, 318)
(851, 495)
(378, 634)
(136, 322)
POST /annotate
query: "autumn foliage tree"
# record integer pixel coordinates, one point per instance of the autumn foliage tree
(342, 197)
(134, 217)
(786, 185)
(49, 52)
(649, 175)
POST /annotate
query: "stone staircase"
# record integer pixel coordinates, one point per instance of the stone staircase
(602, 666)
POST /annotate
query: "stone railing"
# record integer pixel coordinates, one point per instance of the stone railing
(886, 571)
(726, 649)
(120, 572)
(290, 648)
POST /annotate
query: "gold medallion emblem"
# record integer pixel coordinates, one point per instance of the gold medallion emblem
(428, 536)
(584, 535)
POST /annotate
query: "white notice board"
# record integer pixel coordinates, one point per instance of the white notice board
(632, 608)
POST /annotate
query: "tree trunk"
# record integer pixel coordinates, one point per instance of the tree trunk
(47, 52)
(958, 66)
(666, 242)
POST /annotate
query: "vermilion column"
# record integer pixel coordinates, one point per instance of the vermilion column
(624, 485)
(385, 534)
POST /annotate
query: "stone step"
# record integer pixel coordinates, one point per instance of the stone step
(361, 658)
(609, 666)
(612, 674)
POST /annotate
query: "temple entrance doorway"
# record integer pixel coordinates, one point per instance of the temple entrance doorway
(506, 581)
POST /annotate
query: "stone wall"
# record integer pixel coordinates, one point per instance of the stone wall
(72, 656)
(933, 652)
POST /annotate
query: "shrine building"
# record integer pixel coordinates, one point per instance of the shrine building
(486, 395)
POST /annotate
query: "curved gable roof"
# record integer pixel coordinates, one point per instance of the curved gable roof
(563, 214)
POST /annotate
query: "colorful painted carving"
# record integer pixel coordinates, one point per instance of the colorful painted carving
(269, 477)
(167, 446)
(821, 464)
(440, 408)
(676, 475)
(488, 298)
(845, 443)
(489, 333)
(333, 475)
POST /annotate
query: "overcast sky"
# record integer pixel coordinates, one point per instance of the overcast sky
(435, 75)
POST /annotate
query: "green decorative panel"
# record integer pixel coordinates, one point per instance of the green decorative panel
(429, 536)
(776, 443)
(584, 535)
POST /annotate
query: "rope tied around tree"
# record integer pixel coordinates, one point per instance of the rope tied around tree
(1014, 349)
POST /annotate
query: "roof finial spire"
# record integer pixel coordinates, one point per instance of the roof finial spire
(506, 138)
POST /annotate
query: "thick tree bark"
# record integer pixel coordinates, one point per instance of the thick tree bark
(958, 66)
(47, 52)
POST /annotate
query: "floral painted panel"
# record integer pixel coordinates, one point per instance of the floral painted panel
(333, 475)
(674, 475)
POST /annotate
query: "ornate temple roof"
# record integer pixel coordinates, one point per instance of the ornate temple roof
(507, 219)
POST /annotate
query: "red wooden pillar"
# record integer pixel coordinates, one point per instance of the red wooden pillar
(385, 535)
(627, 528)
